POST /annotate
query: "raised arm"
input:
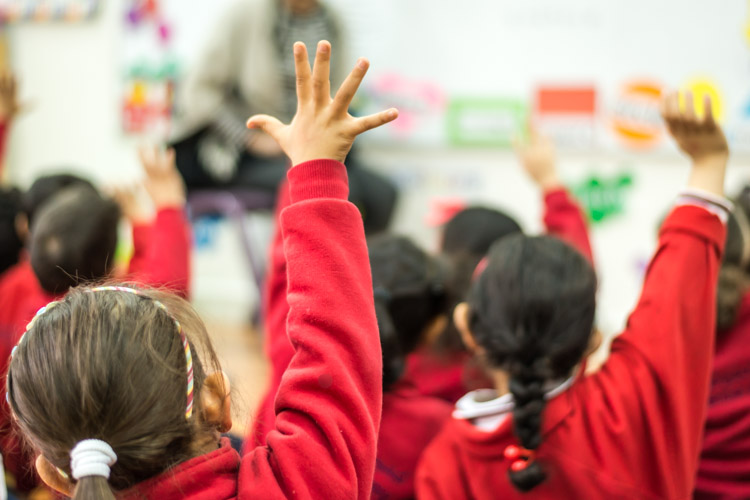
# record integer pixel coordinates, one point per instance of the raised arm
(9, 107)
(657, 376)
(162, 249)
(562, 215)
(328, 405)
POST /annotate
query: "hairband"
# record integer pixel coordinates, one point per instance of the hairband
(183, 337)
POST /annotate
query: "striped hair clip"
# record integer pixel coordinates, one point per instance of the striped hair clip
(183, 337)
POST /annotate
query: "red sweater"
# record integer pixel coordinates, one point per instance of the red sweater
(450, 377)
(161, 259)
(633, 429)
(410, 422)
(724, 470)
(328, 405)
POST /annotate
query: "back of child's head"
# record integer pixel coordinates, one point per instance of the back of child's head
(733, 281)
(532, 313)
(10, 240)
(73, 239)
(45, 188)
(410, 294)
(111, 365)
(474, 230)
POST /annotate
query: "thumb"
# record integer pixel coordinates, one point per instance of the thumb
(268, 124)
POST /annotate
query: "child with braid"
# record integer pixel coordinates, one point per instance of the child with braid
(634, 428)
(118, 390)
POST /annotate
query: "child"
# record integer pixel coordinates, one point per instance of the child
(724, 467)
(145, 421)
(446, 370)
(74, 235)
(410, 303)
(634, 428)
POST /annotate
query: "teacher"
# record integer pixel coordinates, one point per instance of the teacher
(246, 68)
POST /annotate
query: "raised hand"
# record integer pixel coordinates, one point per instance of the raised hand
(129, 198)
(322, 128)
(538, 158)
(700, 137)
(163, 182)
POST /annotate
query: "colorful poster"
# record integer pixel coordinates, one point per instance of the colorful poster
(491, 121)
(636, 119)
(17, 11)
(567, 114)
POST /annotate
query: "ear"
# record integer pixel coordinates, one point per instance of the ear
(595, 342)
(22, 227)
(53, 478)
(215, 401)
(433, 330)
(461, 320)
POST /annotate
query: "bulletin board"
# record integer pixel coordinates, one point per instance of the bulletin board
(473, 74)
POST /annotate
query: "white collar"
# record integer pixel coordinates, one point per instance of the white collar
(488, 411)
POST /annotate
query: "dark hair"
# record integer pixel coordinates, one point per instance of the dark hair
(10, 242)
(110, 365)
(45, 188)
(409, 288)
(532, 311)
(474, 230)
(733, 282)
(73, 239)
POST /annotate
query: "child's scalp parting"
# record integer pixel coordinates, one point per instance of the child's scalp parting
(110, 365)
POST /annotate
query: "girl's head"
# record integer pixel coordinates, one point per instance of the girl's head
(530, 317)
(473, 230)
(110, 364)
(410, 299)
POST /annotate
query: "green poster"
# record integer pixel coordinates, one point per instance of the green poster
(482, 122)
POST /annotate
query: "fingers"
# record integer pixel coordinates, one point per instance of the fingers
(686, 121)
(302, 70)
(321, 74)
(671, 112)
(709, 120)
(346, 93)
(374, 121)
(155, 160)
(268, 124)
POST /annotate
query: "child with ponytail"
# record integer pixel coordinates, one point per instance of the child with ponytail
(118, 390)
(631, 430)
(445, 369)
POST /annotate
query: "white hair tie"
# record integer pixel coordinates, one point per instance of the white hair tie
(91, 457)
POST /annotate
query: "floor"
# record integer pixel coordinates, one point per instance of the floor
(240, 350)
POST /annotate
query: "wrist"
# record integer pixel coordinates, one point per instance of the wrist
(549, 183)
(708, 174)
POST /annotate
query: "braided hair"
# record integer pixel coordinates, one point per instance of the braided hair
(532, 311)
(410, 292)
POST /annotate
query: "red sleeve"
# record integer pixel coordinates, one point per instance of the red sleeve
(142, 234)
(328, 405)
(563, 218)
(163, 252)
(655, 385)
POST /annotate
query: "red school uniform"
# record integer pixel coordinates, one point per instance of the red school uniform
(724, 469)
(451, 376)
(631, 430)
(328, 405)
(161, 259)
(409, 423)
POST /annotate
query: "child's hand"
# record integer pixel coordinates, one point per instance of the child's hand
(163, 182)
(538, 159)
(700, 138)
(9, 105)
(130, 202)
(322, 127)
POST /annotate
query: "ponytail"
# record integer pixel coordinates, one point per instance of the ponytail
(394, 361)
(93, 488)
(527, 381)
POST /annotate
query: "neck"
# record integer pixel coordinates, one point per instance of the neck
(500, 379)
